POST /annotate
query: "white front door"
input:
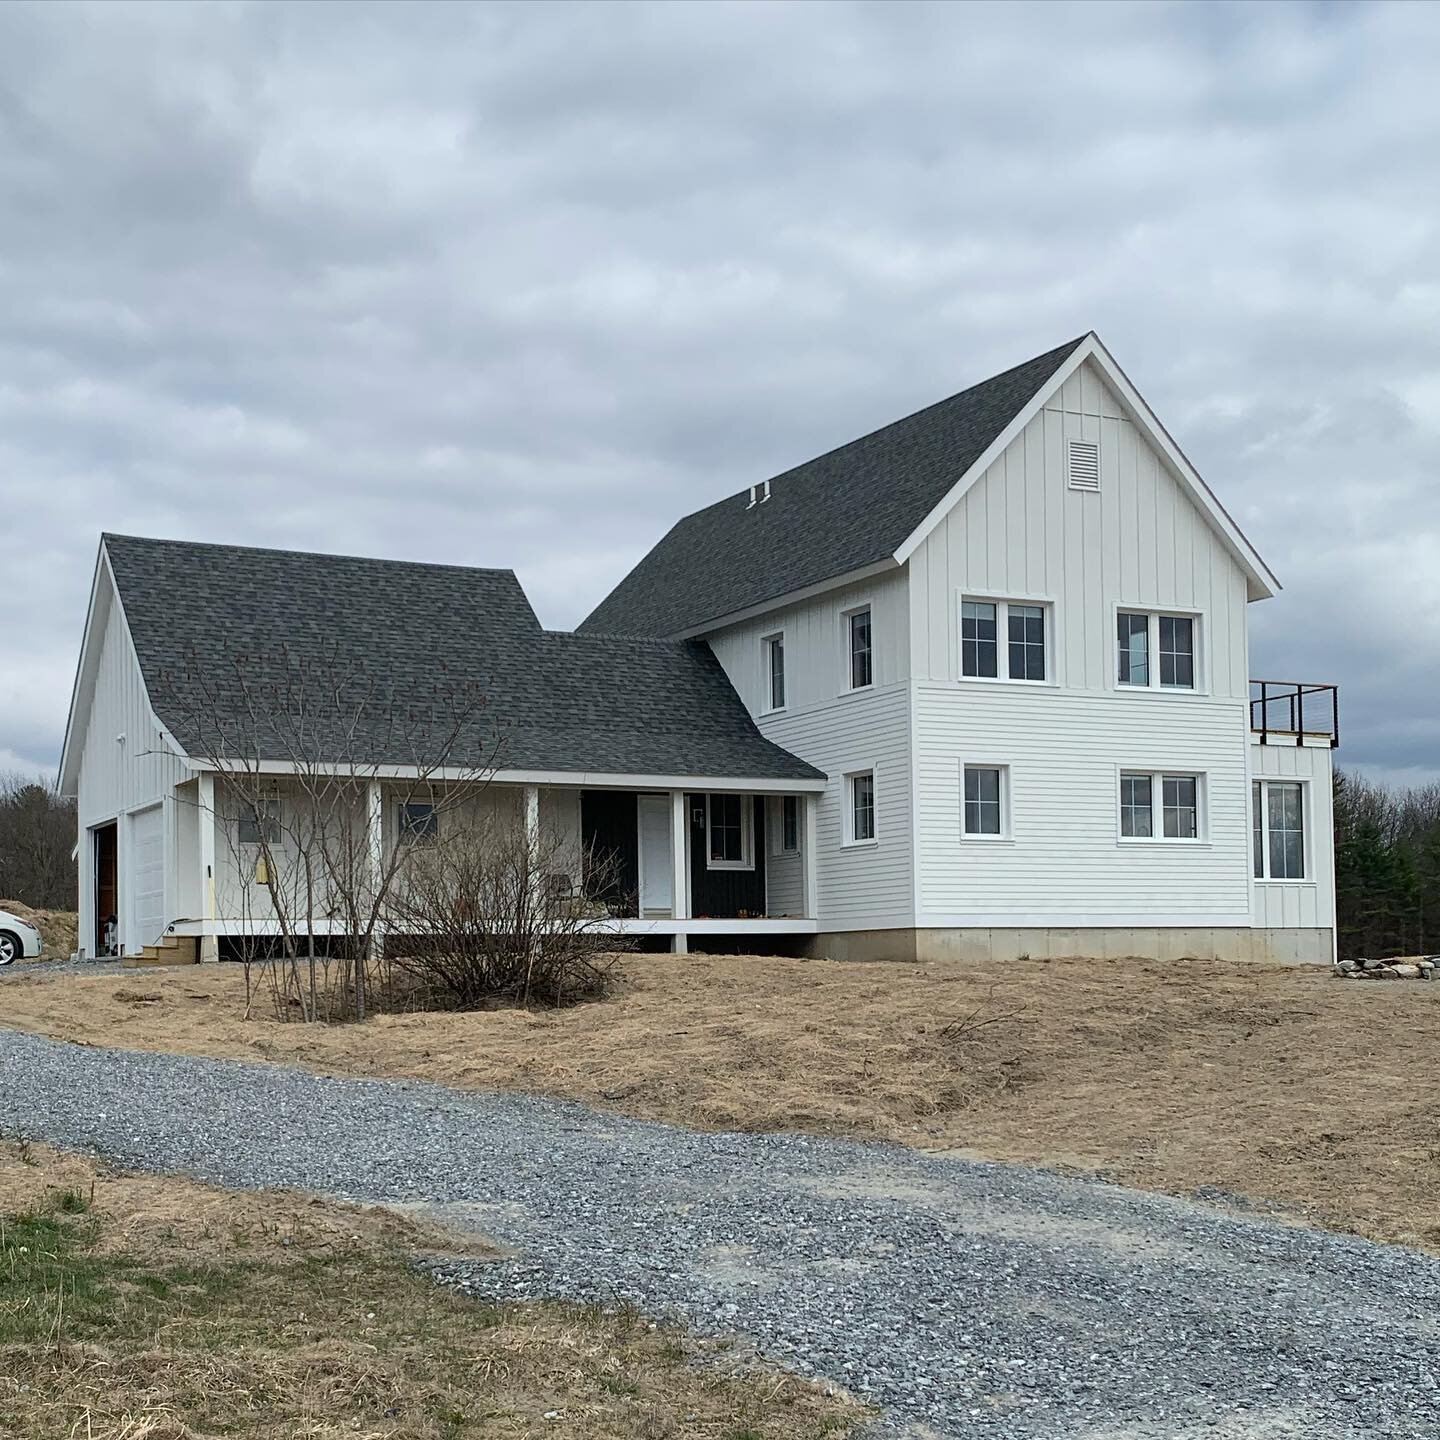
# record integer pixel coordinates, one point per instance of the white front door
(657, 887)
(147, 876)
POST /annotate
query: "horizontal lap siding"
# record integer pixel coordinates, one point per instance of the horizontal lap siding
(785, 874)
(868, 887)
(1294, 904)
(1066, 864)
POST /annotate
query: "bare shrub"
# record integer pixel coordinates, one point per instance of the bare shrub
(492, 913)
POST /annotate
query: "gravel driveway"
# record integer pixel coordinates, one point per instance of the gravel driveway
(965, 1299)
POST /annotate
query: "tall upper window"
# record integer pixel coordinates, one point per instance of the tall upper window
(984, 622)
(1278, 828)
(774, 646)
(860, 819)
(1144, 638)
(984, 808)
(862, 671)
(1177, 797)
(728, 833)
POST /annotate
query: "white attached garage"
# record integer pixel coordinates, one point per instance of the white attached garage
(146, 921)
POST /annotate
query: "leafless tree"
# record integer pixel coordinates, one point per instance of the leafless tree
(37, 843)
(299, 747)
(493, 912)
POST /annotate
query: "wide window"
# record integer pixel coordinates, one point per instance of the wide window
(860, 808)
(1155, 650)
(774, 646)
(728, 833)
(1278, 827)
(984, 808)
(1177, 798)
(862, 671)
(418, 823)
(260, 819)
(1022, 625)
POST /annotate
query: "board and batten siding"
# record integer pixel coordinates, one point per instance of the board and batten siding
(1021, 532)
(1064, 862)
(823, 722)
(1307, 903)
(116, 778)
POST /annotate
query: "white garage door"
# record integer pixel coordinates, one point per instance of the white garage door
(147, 875)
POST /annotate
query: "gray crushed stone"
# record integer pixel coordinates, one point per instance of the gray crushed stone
(54, 969)
(965, 1299)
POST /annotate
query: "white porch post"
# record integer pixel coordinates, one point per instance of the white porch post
(809, 809)
(530, 809)
(205, 830)
(679, 866)
(375, 840)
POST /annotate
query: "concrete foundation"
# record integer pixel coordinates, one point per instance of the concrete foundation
(1266, 947)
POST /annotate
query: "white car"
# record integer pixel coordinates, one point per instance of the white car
(19, 940)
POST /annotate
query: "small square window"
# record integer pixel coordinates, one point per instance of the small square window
(993, 632)
(419, 824)
(260, 819)
(862, 665)
(984, 809)
(1155, 649)
(1178, 800)
(860, 824)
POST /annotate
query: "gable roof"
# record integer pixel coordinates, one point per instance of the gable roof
(868, 505)
(226, 635)
(849, 509)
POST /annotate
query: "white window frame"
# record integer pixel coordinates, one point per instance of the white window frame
(1157, 776)
(981, 837)
(767, 675)
(272, 799)
(847, 819)
(1306, 859)
(1198, 633)
(1002, 603)
(747, 835)
(777, 844)
(848, 671)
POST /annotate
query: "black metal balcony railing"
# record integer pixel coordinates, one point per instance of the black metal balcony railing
(1287, 712)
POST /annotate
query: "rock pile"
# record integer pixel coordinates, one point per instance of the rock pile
(1411, 967)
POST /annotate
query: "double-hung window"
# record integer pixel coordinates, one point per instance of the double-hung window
(1176, 797)
(983, 814)
(860, 827)
(859, 649)
(1278, 828)
(729, 833)
(1155, 650)
(1003, 639)
(774, 648)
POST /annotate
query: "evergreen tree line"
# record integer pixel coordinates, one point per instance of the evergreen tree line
(1387, 868)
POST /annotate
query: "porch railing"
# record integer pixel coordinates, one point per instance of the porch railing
(1289, 712)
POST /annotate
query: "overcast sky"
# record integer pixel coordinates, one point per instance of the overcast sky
(519, 285)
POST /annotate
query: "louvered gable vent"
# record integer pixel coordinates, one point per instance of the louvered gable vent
(1082, 465)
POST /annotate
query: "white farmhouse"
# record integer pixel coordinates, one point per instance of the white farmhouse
(974, 684)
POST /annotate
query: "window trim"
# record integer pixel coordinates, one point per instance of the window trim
(847, 818)
(1306, 830)
(979, 837)
(846, 656)
(1158, 775)
(1199, 633)
(767, 672)
(274, 803)
(1002, 601)
(780, 847)
(747, 833)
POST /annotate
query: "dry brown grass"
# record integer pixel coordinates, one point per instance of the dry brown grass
(58, 928)
(168, 1310)
(1286, 1085)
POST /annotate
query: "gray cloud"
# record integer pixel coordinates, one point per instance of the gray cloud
(521, 284)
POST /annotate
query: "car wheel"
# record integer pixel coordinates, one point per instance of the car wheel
(9, 947)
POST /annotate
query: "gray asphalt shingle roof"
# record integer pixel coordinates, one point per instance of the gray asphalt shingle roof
(847, 509)
(239, 646)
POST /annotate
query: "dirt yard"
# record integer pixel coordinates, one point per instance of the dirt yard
(151, 1308)
(1291, 1087)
